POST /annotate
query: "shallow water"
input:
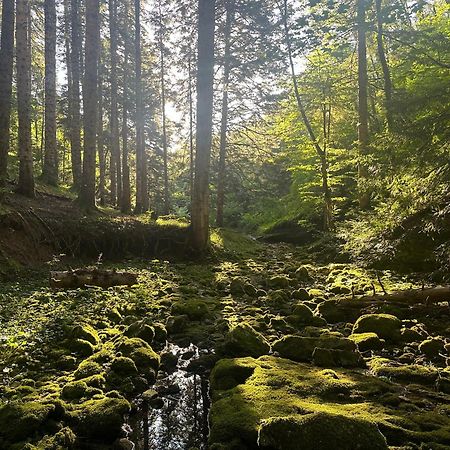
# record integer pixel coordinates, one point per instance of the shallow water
(182, 422)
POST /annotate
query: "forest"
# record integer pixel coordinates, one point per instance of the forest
(225, 224)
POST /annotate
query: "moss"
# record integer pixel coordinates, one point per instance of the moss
(81, 347)
(141, 353)
(63, 439)
(160, 332)
(100, 419)
(386, 326)
(194, 309)
(244, 340)
(411, 373)
(86, 369)
(141, 330)
(74, 390)
(85, 332)
(432, 347)
(124, 366)
(366, 341)
(410, 335)
(19, 420)
(279, 282)
(324, 357)
(177, 324)
(228, 373)
(320, 431)
(301, 294)
(299, 348)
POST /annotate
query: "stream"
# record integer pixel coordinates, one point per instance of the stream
(173, 414)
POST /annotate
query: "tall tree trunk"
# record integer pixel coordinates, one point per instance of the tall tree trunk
(69, 82)
(385, 67)
(163, 114)
(321, 152)
(23, 63)
(224, 120)
(50, 169)
(87, 198)
(74, 98)
(115, 168)
(363, 115)
(125, 203)
(100, 139)
(191, 129)
(6, 72)
(205, 81)
(141, 160)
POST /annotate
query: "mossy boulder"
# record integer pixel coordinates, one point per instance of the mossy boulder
(409, 373)
(322, 431)
(124, 366)
(100, 419)
(63, 439)
(300, 348)
(432, 347)
(386, 326)
(86, 369)
(177, 324)
(85, 332)
(81, 347)
(278, 282)
(367, 341)
(194, 309)
(325, 357)
(244, 340)
(302, 274)
(20, 420)
(228, 373)
(301, 294)
(142, 330)
(146, 360)
(160, 332)
(74, 390)
(410, 335)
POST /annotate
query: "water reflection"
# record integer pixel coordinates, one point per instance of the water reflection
(180, 420)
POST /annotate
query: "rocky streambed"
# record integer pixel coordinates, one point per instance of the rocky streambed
(261, 349)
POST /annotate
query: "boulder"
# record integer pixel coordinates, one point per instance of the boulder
(367, 341)
(386, 326)
(432, 347)
(244, 340)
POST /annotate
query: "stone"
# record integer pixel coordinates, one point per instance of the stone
(244, 340)
(301, 294)
(432, 347)
(386, 326)
(367, 341)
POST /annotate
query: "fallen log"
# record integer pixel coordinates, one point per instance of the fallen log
(79, 278)
(412, 296)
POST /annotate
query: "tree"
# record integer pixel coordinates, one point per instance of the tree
(90, 102)
(363, 114)
(141, 159)
(224, 119)
(6, 71)
(205, 79)
(50, 169)
(100, 137)
(74, 93)
(115, 166)
(23, 66)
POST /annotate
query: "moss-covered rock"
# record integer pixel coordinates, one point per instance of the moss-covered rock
(194, 309)
(302, 274)
(160, 332)
(366, 341)
(20, 420)
(386, 326)
(177, 324)
(86, 369)
(146, 360)
(74, 390)
(142, 330)
(85, 332)
(301, 294)
(100, 419)
(325, 357)
(432, 347)
(124, 366)
(228, 373)
(300, 348)
(244, 340)
(81, 347)
(64, 439)
(410, 335)
(322, 431)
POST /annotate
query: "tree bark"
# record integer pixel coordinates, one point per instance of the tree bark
(321, 152)
(79, 278)
(67, 128)
(363, 115)
(205, 80)
(100, 139)
(384, 66)
(50, 168)
(125, 205)
(221, 175)
(115, 167)
(6, 72)
(163, 115)
(191, 130)
(141, 160)
(74, 98)
(23, 63)
(90, 85)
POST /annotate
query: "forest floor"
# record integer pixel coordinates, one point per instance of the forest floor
(280, 351)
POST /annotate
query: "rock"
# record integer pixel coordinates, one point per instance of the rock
(322, 431)
(86, 369)
(386, 326)
(74, 390)
(19, 420)
(160, 332)
(194, 309)
(303, 313)
(301, 294)
(81, 347)
(100, 418)
(367, 341)
(410, 373)
(169, 361)
(302, 274)
(279, 282)
(177, 324)
(146, 360)
(123, 444)
(237, 286)
(432, 347)
(124, 366)
(142, 330)
(114, 315)
(244, 340)
(85, 332)
(324, 357)
(340, 289)
(410, 335)
(228, 373)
